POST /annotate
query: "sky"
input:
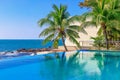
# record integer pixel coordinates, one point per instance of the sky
(18, 18)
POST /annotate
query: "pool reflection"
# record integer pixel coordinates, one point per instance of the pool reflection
(81, 65)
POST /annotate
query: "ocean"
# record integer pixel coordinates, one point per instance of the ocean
(11, 45)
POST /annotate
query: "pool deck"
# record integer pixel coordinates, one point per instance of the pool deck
(72, 49)
(60, 49)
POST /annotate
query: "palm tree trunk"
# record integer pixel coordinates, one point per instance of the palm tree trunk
(63, 40)
(105, 34)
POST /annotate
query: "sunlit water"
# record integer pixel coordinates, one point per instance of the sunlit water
(79, 65)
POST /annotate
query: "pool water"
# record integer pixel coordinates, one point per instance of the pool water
(77, 65)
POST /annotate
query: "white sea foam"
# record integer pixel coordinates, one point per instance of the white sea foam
(11, 54)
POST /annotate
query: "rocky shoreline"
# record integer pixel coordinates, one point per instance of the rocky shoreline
(23, 52)
(34, 50)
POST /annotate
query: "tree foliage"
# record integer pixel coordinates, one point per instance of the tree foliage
(60, 26)
(106, 14)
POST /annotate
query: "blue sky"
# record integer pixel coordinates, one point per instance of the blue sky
(18, 18)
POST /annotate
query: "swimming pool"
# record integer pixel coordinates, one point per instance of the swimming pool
(75, 65)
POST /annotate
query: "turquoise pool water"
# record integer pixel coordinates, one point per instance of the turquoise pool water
(79, 65)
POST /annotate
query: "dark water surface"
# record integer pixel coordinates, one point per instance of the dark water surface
(9, 45)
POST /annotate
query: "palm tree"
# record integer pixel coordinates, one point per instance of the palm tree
(102, 12)
(114, 20)
(60, 26)
(98, 41)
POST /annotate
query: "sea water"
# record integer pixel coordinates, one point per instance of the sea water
(13, 44)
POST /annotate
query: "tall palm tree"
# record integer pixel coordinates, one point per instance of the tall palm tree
(114, 20)
(102, 12)
(60, 26)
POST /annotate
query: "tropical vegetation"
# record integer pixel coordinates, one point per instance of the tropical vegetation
(98, 41)
(60, 26)
(106, 14)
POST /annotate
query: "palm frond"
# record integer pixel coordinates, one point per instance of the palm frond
(72, 39)
(86, 15)
(48, 38)
(103, 4)
(83, 30)
(74, 19)
(55, 8)
(47, 31)
(63, 9)
(66, 15)
(73, 33)
(51, 15)
(74, 27)
(88, 24)
(45, 21)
